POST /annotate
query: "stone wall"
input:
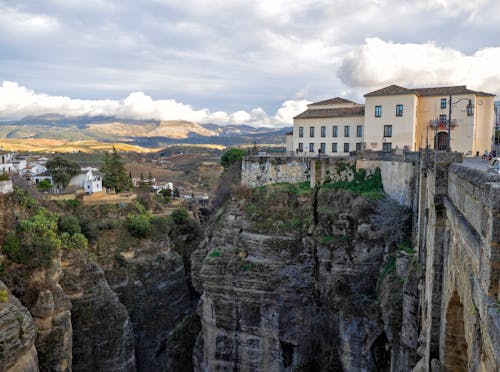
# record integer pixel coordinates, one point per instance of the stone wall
(458, 240)
(259, 171)
(6, 187)
(398, 178)
(471, 270)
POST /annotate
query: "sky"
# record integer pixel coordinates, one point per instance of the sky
(229, 61)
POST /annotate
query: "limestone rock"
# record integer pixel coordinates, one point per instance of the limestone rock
(17, 335)
(102, 331)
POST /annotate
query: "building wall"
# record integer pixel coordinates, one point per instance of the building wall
(462, 135)
(6, 187)
(329, 123)
(485, 121)
(403, 127)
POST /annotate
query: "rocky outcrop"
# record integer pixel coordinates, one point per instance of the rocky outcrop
(297, 291)
(151, 282)
(103, 338)
(51, 313)
(17, 335)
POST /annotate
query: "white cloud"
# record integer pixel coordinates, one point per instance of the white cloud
(15, 21)
(17, 102)
(377, 63)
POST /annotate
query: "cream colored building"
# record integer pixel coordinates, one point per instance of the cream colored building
(332, 127)
(398, 117)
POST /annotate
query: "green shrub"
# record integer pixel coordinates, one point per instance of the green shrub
(75, 241)
(231, 156)
(4, 176)
(69, 224)
(160, 226)
(389, 268)
(4, 296)
(139, 225)
(179, 216)
(44, 184)
(214, 253)
(406, 246)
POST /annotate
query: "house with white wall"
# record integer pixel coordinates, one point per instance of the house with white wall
(331, 127)
(396, 117)
(89, 179)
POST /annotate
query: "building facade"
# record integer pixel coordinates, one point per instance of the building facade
(332, 127)
(398, 117)
(395, 117)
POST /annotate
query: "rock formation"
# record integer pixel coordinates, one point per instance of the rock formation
(17, 335)
(297, 290)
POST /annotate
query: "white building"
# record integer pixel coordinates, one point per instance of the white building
(89, 180)
(332, 127)
(396, 117)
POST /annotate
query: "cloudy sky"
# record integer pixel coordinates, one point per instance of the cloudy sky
(235, 61)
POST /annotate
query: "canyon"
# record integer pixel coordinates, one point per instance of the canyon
(281, 277)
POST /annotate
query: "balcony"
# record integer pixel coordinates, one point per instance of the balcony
(442, 124)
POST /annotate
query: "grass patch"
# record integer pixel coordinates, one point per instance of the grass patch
(215, 253)
(406, 246)
(361, 183)
(388, 269)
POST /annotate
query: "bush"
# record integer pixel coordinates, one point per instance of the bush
(231, 156)
(4, 176)
(69, 224)
(179, 216)
(44, 184)
(75, 241)
(139, 225)
(159, 226)
(35, 241)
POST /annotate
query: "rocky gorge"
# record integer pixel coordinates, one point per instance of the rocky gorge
(281, 277)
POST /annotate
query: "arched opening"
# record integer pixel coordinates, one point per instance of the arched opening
(441, 141)
(455, 353)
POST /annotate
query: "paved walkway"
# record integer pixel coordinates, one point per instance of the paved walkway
(476, 163)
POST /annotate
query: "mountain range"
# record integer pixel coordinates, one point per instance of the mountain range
(146, 133)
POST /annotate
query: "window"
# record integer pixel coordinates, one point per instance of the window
(387, 130)
(323, 131)
(311, 147)
(301, 131)
(334, 147)
(443, 103)
(443, 119)
(399, 110)
(335, 132)
(359, 131)
(346, 131)
(346, 147)
(311, 131)
(387, 146)
(301, 147)
(358, 146)
(322, 148)
(378, 111)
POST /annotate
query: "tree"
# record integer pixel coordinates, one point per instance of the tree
(114, 173)
(62, 170)
(231, 156)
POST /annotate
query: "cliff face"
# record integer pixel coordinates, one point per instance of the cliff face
(17, 335)
(288, 281)
(103, 335)
(151, 282)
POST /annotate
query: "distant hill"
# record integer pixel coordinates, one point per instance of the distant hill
(146, 133)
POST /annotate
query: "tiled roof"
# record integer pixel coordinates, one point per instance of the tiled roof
(393, 90)
(332, 101)
(358, 110)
